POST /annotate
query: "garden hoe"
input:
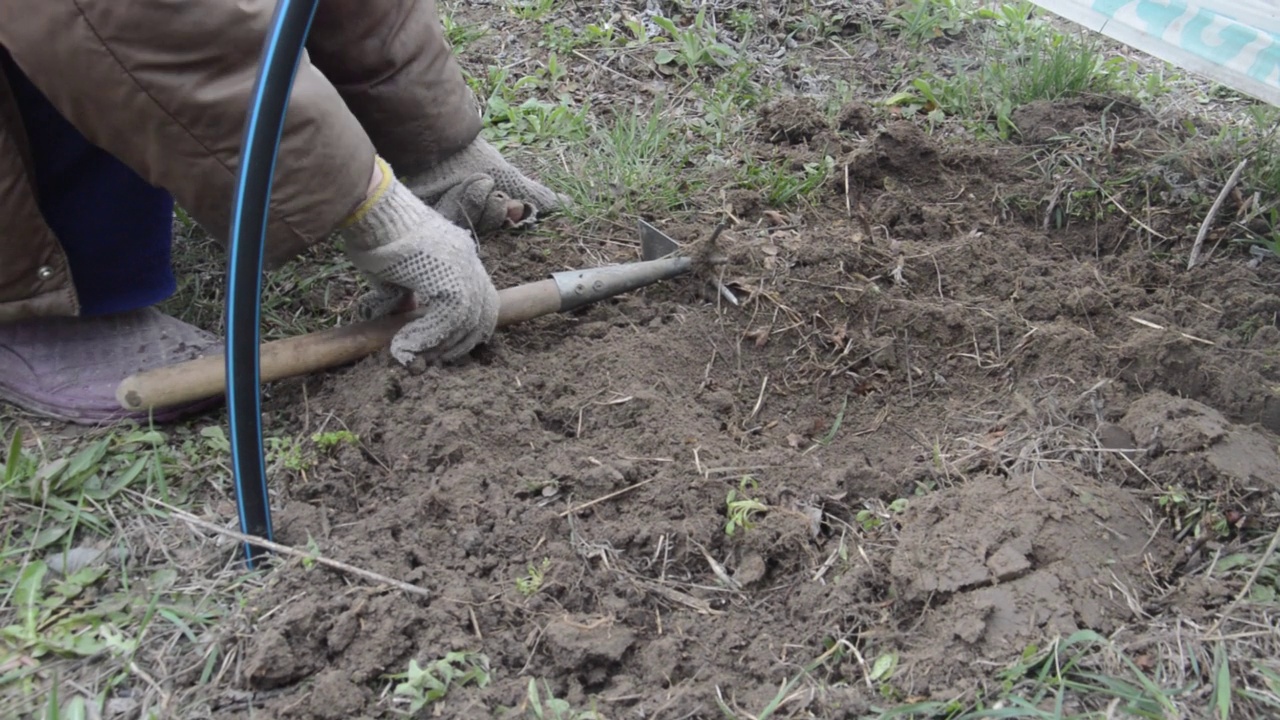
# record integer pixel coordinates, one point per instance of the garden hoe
(205, 377)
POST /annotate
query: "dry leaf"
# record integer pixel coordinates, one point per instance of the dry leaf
(839, 335)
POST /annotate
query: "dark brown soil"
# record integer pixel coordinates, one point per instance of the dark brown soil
(1004, 379)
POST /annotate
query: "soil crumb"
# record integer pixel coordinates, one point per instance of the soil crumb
(792, 119)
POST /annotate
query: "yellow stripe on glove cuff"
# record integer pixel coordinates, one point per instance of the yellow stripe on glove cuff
(374, 196)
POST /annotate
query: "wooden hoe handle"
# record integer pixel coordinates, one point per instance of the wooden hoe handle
(206, 377)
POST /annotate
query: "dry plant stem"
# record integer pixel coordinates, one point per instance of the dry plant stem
(286, 550)
(1153, 326)
(1213, 213)
(1248, 585)
(1111, 198)
(715, 234)
(597, 501)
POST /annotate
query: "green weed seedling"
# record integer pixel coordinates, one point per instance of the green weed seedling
(67, 493)
(1038, 684)
(831, 433)
(334, 438)
(1266, 585)
(1193, 517)
(637, 161)
(514, 114)
(1025, 59)
(781, 186)
(534, 576)
(55, 610)
(695, 47)
(552, 707)
(567, 38)
(882, 671)
(53, 622)
(458, 35)
(531, 9)
(287, 453)
(423, 686)
(835, 651)
(741, 508)
(870, 520)
(923, 21)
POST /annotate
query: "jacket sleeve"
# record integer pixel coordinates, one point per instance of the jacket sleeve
(164, 85)
(394, 68)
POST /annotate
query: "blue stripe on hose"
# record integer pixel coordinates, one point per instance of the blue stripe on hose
(282, 54)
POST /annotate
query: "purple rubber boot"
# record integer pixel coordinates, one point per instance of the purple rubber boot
(68, 368)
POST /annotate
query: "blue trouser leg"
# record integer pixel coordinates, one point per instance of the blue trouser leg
(116, 229)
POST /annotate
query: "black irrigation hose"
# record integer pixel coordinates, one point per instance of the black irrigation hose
(282, 53)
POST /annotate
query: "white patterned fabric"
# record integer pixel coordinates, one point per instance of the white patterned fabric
(1233, 42)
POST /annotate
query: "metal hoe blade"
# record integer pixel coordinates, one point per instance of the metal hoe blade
(655, 244)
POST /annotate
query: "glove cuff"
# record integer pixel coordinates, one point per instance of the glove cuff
(390, 212)
(384, 183)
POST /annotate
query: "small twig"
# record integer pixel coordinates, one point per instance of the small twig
(831, 559)
(610, 496)
(1154, 326)
(1213, 213)
(698, 605)
(606, 68)
(848, 202)
(286, 550)
(715, 234)
(717, 568)
(759, 400)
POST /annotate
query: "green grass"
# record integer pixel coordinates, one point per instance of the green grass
(634, 161)
(781, 186)
(741, 508)
(1021, 58)
(918, 22)
(979, 63)
(460, 35)
(542, 704)
(691, 48)
(134, 611)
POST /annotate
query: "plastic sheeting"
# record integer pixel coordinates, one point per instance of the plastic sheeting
(1233, 42)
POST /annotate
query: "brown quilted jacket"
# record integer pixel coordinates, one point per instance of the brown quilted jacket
(164, 85)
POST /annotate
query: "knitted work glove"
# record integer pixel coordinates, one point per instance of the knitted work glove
(477, 188)
(475, 203)
(405, 248)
